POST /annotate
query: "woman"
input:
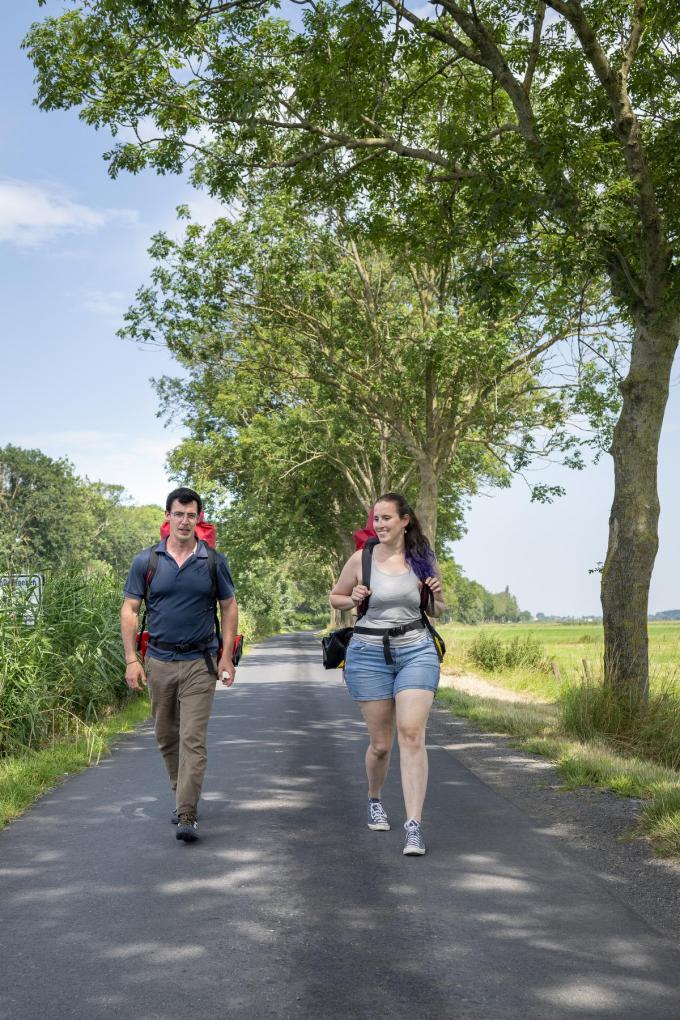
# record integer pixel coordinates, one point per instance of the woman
(396, 695)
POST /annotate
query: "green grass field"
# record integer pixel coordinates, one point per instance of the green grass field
(568, 644)
(585, 733)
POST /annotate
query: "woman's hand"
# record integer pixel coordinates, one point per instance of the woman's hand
(435, 586)
(347, 593)
(359, 593)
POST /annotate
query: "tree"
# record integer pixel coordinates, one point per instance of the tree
(44, 518)
(504, 607)
(121, 530)
(549, 114)
(49, 516)
(403, 373)
(469, 602)
(283, 585)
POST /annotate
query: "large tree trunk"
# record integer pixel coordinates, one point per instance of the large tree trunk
(344, 547)
(342, 618)
(428, 498)
(633, 534)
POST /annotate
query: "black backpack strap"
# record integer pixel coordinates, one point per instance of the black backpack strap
(212, 567)
(366, 562)
(427, 606)
(426, 599)
(435, 635)
(151, 567)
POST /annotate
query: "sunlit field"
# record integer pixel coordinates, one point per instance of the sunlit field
(568, 644)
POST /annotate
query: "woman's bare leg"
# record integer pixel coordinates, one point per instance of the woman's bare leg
(379, 718)
(412, 711)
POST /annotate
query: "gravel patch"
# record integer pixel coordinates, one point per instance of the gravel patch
(470, 683)
(593, 825)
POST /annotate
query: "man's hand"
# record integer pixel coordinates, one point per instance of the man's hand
(226, 666)
(135, 676)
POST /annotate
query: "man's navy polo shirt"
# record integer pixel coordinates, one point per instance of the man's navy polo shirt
(180, 606)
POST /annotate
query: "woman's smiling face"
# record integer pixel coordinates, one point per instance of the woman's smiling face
(387, 522)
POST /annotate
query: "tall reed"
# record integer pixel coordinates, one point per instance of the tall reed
(590, 710)
(67, 665)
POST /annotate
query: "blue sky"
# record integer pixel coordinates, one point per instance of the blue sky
(72, 253)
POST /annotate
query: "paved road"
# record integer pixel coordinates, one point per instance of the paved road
(289, 907)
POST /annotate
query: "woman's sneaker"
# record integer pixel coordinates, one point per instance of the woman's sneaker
(377, 817)
(415, 844)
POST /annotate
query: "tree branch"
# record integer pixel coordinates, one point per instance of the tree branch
(655, 252)
(637, 31)
(535, 47)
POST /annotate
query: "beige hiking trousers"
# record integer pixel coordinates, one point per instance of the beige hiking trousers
(181, 699)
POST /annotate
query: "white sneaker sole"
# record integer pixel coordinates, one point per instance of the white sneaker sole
(413, 852)
(380, 827)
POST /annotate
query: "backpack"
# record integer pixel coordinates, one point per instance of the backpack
(210, 533)
(334, 645)
(365, 534)
(426, 596)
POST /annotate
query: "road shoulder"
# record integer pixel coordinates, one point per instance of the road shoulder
(594, 825)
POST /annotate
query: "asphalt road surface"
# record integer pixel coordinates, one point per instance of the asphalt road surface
(288, 906)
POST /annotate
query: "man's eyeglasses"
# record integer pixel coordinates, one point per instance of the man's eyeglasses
(179, 516)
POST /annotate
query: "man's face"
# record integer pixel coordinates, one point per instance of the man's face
(182, 518)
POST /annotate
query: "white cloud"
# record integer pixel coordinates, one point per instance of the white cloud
(106, 302)
(114, 457)
(35, 212)
(205, 209)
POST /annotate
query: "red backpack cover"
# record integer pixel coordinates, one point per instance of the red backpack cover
(362, 536)
(204, 531)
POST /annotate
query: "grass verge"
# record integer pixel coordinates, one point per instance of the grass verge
(576, 649)
(536, 728)
(25, 777)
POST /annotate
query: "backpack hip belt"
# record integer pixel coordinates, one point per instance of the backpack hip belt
(387, 633)
(187, 646)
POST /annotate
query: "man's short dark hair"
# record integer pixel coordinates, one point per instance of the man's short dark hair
(183, 496)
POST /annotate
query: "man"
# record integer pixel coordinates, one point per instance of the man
(182, 650)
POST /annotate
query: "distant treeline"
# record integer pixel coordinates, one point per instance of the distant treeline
(49, 516)
(469, 602)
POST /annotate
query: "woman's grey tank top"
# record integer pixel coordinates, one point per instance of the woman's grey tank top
(394, 601)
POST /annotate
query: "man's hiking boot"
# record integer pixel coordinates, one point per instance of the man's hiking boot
(415, 844)
(377, 817)
(187, 827)
(174, 817)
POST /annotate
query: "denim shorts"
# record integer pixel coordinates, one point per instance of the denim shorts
(370, 678)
